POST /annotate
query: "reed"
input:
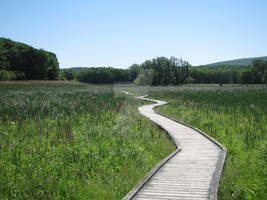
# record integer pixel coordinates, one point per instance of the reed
(73, 142)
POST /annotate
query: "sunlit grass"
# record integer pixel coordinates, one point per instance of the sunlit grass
(236, 117)
(74, 142)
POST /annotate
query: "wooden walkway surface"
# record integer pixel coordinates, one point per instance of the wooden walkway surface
(189, 174)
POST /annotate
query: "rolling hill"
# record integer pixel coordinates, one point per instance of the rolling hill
(222, 68)
(75, 69)
(242, 61)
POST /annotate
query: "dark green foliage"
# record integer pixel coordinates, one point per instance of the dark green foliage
(214, 77)
(165, 71)
(133, 72)
(221, 68)
(68, 74)
(230, 73)
(247, 77)
(171, 71)
(75, 69)
(27, 62)
(265, 77)
(145, 77)
(218, 74)
(258, 70)
(257, 73)
(52, 69)
(6, 75)
(104, 75)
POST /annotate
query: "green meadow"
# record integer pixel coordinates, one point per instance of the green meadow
(236, 117)
(80, 141)
(74, 141)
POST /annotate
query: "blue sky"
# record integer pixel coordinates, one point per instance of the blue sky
(119, 33)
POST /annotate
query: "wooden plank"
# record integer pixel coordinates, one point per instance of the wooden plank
(189, 174)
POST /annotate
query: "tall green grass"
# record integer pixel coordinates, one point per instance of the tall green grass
(73, 142)
(234, 116)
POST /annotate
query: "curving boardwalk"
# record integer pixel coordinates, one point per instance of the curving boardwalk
(192, 172)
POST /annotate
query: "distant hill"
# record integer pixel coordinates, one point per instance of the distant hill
(75, 69)
(242, 61)
(222, 68)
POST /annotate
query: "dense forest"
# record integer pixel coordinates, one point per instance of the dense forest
(218, 74)
(104, 75)
(172, 71)
(161, 71)
(255, 74)
(158, 71)
(19, 61)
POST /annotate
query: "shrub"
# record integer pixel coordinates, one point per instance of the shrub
(6, 75)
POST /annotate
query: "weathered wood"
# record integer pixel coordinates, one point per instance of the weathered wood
(193, 173)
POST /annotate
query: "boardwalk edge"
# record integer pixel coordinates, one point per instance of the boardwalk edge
(148, 176)
(221, 161)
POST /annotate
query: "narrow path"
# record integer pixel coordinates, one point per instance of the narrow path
(190, 174)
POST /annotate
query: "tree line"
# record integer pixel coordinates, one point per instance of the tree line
(105, 75)
(19, 61)
(158, 71)
(161, 71)
(173, 71)
(255, 74)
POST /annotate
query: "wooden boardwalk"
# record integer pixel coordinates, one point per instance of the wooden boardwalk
(189, 174)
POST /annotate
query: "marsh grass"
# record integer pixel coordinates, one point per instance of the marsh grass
(74, 142)
(234, 116)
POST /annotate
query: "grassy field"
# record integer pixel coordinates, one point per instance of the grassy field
(73, 141)
(236, 117)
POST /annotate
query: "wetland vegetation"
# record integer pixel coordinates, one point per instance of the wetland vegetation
(85, 141)
(65, 141)
(236, 117)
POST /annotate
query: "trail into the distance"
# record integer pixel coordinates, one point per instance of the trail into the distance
(191, 174)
